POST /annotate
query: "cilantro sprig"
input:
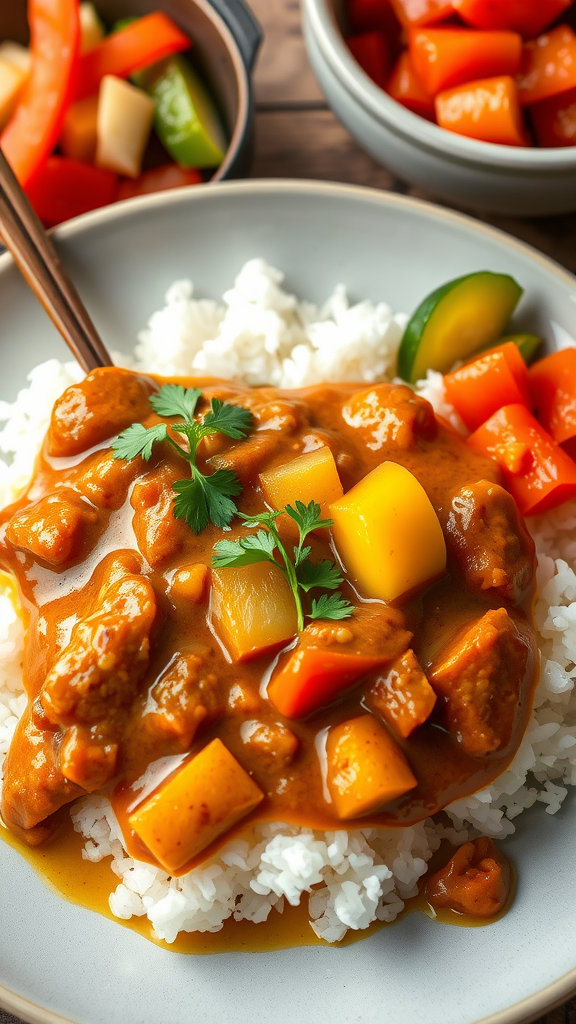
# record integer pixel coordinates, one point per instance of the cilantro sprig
(302, 574)
(201, 499)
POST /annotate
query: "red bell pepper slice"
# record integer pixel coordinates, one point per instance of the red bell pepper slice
(529, 17)
(553, 383)
(159, 179)
(548, 66)
(487, 110)
(405, 87)
(372, 53)
(35, 127)
(65, 188)
(554, 120)
(132, 48)
(422, 12)
(313, 677)
(444, 58)
(481, 387)
(367, 15)
(537, 472)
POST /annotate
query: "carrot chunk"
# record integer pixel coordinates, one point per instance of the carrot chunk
(496, 378)
(446, 57)
(372, 53)
(205, 798)
(405, 87)
(403, 696)
(529, 17)
(422, 12)
(365, 767)
(548, 66)
(554, 120)
(313, 677)
(553, 382)
(487, 110)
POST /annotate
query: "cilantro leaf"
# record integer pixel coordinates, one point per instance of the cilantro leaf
(219, 489)
(262, 519)
(322, 574)
(231, 420)
(331, 606)
(138, 440)
(257, 547)
(191, 504)
(307, 518)
(300, 555)
(175, 400)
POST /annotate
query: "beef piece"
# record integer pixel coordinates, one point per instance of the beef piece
(391, 414)
(101, 406)
(159, 535)
(479, 673)
(184, 699)
(476, 881)
(273, 743)
(89, 756)
(488, 543)
(375, 631)
(402, 695)
(53, 529)
(106, 480)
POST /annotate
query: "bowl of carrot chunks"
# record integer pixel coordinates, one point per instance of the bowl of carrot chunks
(471, 100)
(105, 100)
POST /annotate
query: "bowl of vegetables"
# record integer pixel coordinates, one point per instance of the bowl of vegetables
(472, 101)
(105, 101)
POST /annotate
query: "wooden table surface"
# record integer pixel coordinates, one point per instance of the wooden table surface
(297, 136)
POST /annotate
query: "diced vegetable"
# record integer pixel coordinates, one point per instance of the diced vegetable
(91, 28)
(366, 15)
(402, 695)
(527, 344)
(190, 583)
(125, 116)
(80, 130)
(12, 81)
(554, 120)
(480, 388)
(310, 477)
(252, 608)
(446, 57)
(159, 179)
(422, 12)
(487, 110)
(35, 127)
(205, 798)
(455, 321)
(388, 534)
(538, 473)
(17, 55)
(315, 676)
(372, 53)
(548, 65)
(186, 120)
(529, 17)
(553, 383)
(137, 46)
(365, 767)
(65, 188)
(405, 87)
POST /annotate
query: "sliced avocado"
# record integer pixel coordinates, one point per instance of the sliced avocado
(527, 344)
(455, 321)
(186, 119)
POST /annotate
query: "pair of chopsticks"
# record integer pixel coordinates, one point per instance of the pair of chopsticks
(37, 259)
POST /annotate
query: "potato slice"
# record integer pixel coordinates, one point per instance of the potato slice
(311, 477)
(365, 767)
(252, 609)
(125, 116)
(91, 28)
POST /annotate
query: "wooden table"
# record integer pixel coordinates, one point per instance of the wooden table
(297, 136)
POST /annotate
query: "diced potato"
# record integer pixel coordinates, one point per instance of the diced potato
(17, 55)
(310, 477)
(91, 28)
(80, 130)
(402, 695)
(125, 116)
(12, 80)
(205, 798)
(388, 534)
(189, 583)
(252, 609)
(365, 767)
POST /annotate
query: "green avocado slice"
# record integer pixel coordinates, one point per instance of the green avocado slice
(456, 320)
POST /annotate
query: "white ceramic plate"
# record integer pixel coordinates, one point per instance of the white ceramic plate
(57, 958)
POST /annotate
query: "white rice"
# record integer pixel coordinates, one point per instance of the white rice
(262, 334)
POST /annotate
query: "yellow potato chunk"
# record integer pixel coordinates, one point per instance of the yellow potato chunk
(388, 534)
(310, 477)
(365, 767)
(252, 609)
(205, 798)
(125, 116)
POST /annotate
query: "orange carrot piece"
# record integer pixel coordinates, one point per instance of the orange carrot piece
(422, 12)
(554, 120)
(487, 110)
(553, 383)
(529, 17)
(446, 57)
(405, 87)
(365, 767)
(496, 378)
(548, 66)
(313, 677)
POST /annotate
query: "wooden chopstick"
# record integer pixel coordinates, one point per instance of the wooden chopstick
(37, 259)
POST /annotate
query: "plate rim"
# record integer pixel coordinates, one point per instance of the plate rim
(562, 989)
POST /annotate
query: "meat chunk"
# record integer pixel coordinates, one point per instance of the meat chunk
(391, 414)
(274, 744)
(89, 756)
(107, 401)
(106, 480)
(479, 674)
(488, 543)
(186, 697)
(375, 630)
(54, 528)
(159, 535)
(402, 695)
(476, 881)
(98, 674)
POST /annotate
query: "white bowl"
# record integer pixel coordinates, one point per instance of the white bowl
(502, 179)
(57, 958)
